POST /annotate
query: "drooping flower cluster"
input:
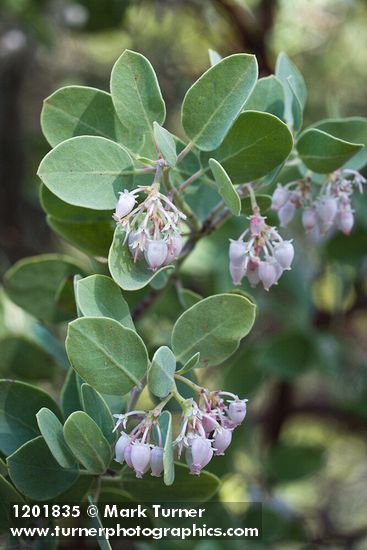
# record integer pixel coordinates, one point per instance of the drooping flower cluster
(152, 228)
(142, 449)
(330, 207)
(206, 428)
(263, 257)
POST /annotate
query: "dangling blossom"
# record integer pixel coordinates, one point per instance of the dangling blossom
(330, 207)
(207, 426)
(152, 228)
(263, 257)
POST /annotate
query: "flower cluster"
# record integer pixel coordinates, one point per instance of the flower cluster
(331, 207)
(152, 227)
(263, 257)
(137, 448)
(206, 427)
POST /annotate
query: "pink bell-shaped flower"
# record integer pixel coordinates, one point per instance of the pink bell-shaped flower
(140, 458)
(284, 254)
(309, 218)
(174, 248)
(222, 440)
(237, 261)
(122, 442)
(280, 197)
(237, 411)
(156, 461)
(267, 273)
(345, 221)
(286, 213)
(127, 455)
(156, 253)
(327, 209)
(199, 454)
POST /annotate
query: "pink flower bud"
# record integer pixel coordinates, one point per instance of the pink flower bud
(209, 423)
(140, 458)
(122, 442)
(175, 245)
(127, 455)
(237, 261)
(286, 213)
(222, 440)
(156, 253)
(327, 209)
(345, 221)
(267, 273)
(257, 225)
(199, 455)
(124, 205)
(156, 461)
(237, 411)
(309, 218)
(280, 197)
(284, 254)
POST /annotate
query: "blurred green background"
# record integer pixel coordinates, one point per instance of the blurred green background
(303, 449)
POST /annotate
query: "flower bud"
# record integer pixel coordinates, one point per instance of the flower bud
(122, 442)
(286, 213)
(175, 245)
(345, 221)
(237, 261)
(309, 218)
(127, 455)
(280, 197)
(124, 205)
(284, 253)
(237, 411)
(257, 225)
(222, 440)
(267, 273)
(140, 458)
(200, 455)
(156, 253)
(156, 461)
(327, 209)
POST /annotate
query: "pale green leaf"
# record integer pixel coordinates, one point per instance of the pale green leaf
(166, 144)
(161, 372)
(87, 171)
(213, 102)
(225, 187)
(52, 431)
(267, 96)
(96, 407)
(110, 357)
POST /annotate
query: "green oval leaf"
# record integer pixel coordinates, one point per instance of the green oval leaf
(352, 129)
(166, 144)
(213, 102)
(165, 421)
(124, 271)
(295, 91)
(225, 187)
(255, 145)
(110, 357)
(324, 153)
(35, 472)
(100, 296)
(19, 404)
(34, 284)
(267, 96)
(214, 327)
(161, 372)
(52, 431)
(87, 442)
(191, 363)
(137, 97)
(70, 394)
(79, 111)
(87, 171)
(186, 488)
(96, 407)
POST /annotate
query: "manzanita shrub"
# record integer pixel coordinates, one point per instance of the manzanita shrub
(137, 199)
